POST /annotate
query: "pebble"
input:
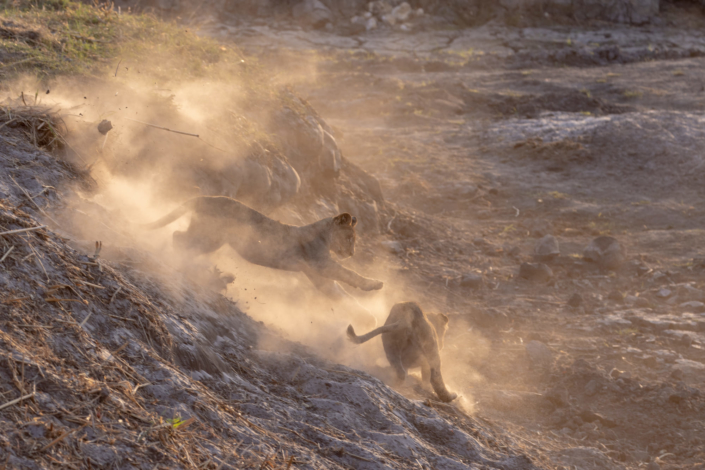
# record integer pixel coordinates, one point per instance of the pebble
(537, 272)
(592, 388)
(664, 293)
(576, 300)
(546, 248)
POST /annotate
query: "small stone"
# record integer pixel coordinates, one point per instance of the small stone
(616, 296)
(576, 300)
(677, 374)
(546, 248)
(514, 251)
(664, 293)
(642, 302)
(606, 252)
(653, 466)
(539, 354)
(536, 272)
(471, 281)
(105, 126)
(371, 24)
(592, 388)
(615, 373)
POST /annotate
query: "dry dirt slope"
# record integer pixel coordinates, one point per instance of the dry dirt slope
(126, 365)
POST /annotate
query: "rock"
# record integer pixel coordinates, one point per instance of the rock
(535, 272)
(576, 300)
(592, 388)
(399, 14)
(546, 248)
(105, 126)
(606, 252)
(653, 466)
(691, 293)
(677, 374)
(664, 293)
(616, 296)
(693, 306)
(539, 354)
(312, 13)
(371, 24)
(615, 373)
(393, 246)
(472, 281)
(687, 367)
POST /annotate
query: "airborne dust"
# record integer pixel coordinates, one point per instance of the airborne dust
(176, 140)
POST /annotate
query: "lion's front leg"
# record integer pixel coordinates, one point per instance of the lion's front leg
(332, 270)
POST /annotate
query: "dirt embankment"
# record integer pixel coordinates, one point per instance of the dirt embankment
(118, 354)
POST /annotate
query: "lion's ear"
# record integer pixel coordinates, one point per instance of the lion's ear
(354, 221)
(344, 219)
(444, 318)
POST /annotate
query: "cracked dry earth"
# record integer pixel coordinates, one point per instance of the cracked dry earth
(486, 140)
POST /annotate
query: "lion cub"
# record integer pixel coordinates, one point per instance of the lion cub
(413, 339)
(220, 220)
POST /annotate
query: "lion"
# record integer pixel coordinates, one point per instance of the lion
(412, 339)
(220, 220)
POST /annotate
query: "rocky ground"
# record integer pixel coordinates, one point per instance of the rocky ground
(486, 140)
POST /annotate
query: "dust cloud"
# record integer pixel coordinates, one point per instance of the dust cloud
(143, 170)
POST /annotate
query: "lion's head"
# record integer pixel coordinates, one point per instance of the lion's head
(342, 241)
(440, 324)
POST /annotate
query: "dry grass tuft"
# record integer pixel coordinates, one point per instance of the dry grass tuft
(42, 124)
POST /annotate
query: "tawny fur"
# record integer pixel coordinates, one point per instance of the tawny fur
(220, 220)
(412, 339)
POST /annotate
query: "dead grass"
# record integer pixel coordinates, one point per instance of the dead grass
(59, 37)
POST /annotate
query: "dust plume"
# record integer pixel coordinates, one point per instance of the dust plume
(170, 142)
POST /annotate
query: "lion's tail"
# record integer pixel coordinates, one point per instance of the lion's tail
(366, 337)
(171, 216)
